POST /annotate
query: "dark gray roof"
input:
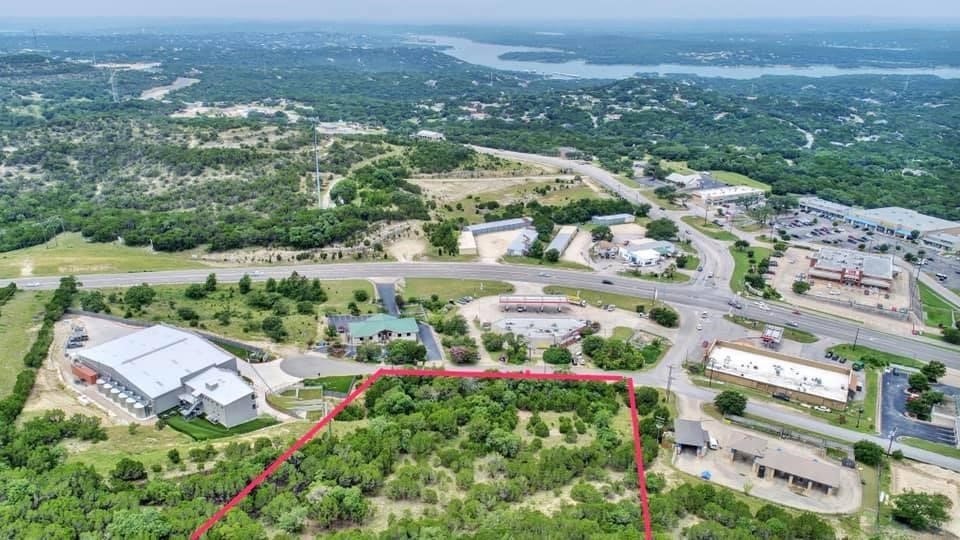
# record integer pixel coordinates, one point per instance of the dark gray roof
(689, 433)
(749, 445)
(811, 469)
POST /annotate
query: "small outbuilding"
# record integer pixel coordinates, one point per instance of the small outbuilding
(690, 435)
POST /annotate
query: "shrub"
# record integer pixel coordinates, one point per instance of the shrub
(868, 453)
(730, 402)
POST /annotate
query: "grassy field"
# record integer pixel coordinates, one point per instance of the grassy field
(244, 322)
(737, 179)
(793, 334)
(559, 194)
(596, 298)
(18, 329)
(200, 429)
(741, 263)
(847, 351)
(451, 289)
(657, 201)
(677, 277)
(937, 311)
(710, 229)
(569, 265)
(71, 254)
(622, 332)
(334, 383)
(941, 449)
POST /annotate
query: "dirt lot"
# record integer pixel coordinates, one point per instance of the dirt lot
(407, 249)
(55, 387)
(908, 475)
(628, 232)
(578, 249)
(492, 246)
(797, 261)
(739, 475)
(455, 189)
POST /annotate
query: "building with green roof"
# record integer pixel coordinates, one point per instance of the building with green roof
(382, 328)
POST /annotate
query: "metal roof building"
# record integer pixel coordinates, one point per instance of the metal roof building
(816, 204)
(521, 243)
(690, 434)
(898, 221)
(613, 219)
(382, 328)
(562, 239)
(729, 193)
(153, 366)
(499, 226)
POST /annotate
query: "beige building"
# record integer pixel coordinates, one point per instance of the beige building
(770, 464)
(851, 267)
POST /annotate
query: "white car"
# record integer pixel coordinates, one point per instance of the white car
(32, 284)
(256, 273)
(821, 408)
(543, 274)
(699, 326)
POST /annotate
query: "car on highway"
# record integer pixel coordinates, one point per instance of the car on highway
(606, 282)
(700, 269)
(544, 274)
(794, 324)
(256, 273)
(699, 326)
(32, 284)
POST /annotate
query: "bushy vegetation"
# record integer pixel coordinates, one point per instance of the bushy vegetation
(613, 353)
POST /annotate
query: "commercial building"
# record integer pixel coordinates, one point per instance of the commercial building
(543, 333)
(427, 135)
(829, 209)
(901, 222)
(853, 267)
(500, 226)
(745, 194)
(520, 245)
(563, 238)
(533, 302)
(663, 247)
(775, 373)
(772, 336)
(942, 241)
(160, 368)
(685, 181)
(798, 471)
(613, 219)
(690, 435)
(640, 257)
(382, 328)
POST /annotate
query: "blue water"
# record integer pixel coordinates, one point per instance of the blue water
(488, 54)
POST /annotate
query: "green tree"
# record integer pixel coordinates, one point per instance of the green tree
(601, 232)
(195, 291)
(92, 301)
(551, 256)
(665, 316)
(245, 284)
(211, 284)
(361, 295)
(557, 356)
(800, 287)
(143, 523)
(741, 245)
(934, 370)
(536, 249)
(662, 229)
(918, 383)
(405, 351)
(951, 335)
(921, 511)
(139, 296)
(129, 470)
(731, 402)
(868, 453)
(273, 327)
(174, 456)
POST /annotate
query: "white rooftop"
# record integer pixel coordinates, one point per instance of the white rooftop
(157, 359)
(759, 367)
(906, 219)
(729, 191)
(220, 385)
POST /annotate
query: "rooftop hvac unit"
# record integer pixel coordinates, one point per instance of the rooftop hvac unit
(211, 385)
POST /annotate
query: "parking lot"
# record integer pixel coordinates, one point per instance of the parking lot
(894, 404)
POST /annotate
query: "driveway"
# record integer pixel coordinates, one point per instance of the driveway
(430, 342)
(895, 403)
(388, 297)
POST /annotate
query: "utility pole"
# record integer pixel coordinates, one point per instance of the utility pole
(893, 435)
(856, 338)
(669, 381)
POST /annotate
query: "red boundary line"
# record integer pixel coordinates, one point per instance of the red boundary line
(637, 445)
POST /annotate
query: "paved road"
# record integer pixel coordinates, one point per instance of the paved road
(695, 296)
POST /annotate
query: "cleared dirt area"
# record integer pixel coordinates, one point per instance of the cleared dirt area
(739, 476)
(577, 251)
(908, 475)
(454, 189)
(796, 261)
(242, 110)
(628, 232)
(158, 92)
(407, 249)
(492, 246)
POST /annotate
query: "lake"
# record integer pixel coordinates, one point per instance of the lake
(488, 54)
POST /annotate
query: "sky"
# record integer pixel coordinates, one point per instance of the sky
(428, 11)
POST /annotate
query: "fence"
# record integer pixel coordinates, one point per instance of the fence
(868, 308)
(784, 433)
(254, 354)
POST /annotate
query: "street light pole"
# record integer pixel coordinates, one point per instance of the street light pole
(856, 338)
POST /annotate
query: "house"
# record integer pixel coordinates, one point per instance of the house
(382, 328)
(690, 435)
(640, 257)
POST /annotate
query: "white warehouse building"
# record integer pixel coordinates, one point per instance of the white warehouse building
(161, 368)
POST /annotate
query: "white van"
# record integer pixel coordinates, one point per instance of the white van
(714, 443)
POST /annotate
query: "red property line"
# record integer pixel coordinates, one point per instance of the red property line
(637, 446)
